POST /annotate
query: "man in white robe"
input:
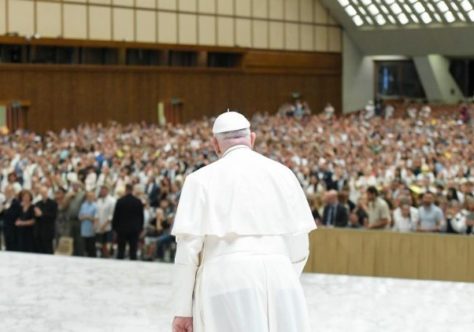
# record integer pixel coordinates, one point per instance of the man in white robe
(242, 229)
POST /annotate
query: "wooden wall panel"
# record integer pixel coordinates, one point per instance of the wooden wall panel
(64, 96)
(389, 254)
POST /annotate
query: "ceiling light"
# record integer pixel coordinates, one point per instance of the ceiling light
(403, 19)
(426, 18)
(366, 2)
(438, 18)
(466, 5)
(442, 6)
(419, 7)
(357, 20)
(396, 9)
(392, 19)
(407, 8)
(414, 18)
(380, 19)
(449, 17)
(343, 3)
(471, 15)
(373, 9)
(461, 17)
(388, 2)
(350, 11)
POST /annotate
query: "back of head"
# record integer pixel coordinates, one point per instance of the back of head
(128, 189)
(372, 190)
(231, 129)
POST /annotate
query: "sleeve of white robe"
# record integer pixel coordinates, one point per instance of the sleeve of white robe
(184, 277)
(298, 248)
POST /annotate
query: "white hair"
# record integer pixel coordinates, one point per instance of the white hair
(232, 135)
(231, 138)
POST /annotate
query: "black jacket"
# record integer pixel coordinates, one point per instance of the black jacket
(128, 215)
(11, 214)
(45, 225)
(340, 218)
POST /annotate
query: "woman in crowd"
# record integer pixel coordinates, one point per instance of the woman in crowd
(25, 222)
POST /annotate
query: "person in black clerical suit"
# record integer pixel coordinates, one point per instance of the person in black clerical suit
(25, 222)
(335, 214)
(11, 212)
(127, 222)
(46, 211)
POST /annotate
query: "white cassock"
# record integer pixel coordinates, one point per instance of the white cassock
(242, 229)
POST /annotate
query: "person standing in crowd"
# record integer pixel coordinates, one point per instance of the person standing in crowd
(25, 222)
(431, 217)
(12, 180)
(165, 238)
(335, 214)
(87, 215)
(103, 228)
(63, 228)
(11, 212)
(242, 227)
(75, 199)
(127, 222)
(377, 210)
(46, 211)
(405, 218)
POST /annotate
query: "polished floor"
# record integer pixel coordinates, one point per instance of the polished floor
(52, 293)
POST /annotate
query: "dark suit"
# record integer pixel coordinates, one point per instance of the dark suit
(153, 191)
(10, 215)
(335, 215)
(45, 226)
(128, 223)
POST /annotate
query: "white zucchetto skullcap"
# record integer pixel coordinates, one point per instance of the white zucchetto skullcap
(230, 121)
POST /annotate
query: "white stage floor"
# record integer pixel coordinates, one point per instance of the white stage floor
(51, 293)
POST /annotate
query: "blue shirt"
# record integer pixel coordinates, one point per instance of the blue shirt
(87, 226)
(430, 217)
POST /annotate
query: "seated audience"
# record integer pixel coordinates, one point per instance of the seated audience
(377, 209)
(405, 217)
(335, 214)
(431, 218)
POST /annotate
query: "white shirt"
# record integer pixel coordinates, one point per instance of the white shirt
(105, 212)
(405, 224)
(458, 223)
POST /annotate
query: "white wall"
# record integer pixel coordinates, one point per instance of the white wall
(300, 25)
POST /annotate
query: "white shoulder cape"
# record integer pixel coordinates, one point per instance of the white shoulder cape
(243, 193)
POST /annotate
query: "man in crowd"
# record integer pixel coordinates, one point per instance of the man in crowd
(45, 214)
(335, 214)
(87, 215)
(11, 211)
(405, 217)
(103, 227)
(127, 223)
(75, 198)
(245, 221)
(431, 217)
(377, 210)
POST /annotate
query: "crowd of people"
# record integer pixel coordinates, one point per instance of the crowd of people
(103, 186)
